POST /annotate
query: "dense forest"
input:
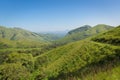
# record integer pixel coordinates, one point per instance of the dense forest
(84, 53)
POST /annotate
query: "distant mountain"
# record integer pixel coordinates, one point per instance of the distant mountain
(17, 37)
(53, 35)
(56, 32)
(95, 58)
(80, 29)
(19, 34)
(84, 32)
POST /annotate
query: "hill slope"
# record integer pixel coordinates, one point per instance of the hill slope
(16, 37)
(19, 34)
(80, 60)
(80, 29)
(88, 59)
(83, 32)
(111, 37)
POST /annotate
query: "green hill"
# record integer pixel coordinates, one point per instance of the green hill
(81, 60)
(93, 58)
(80, 29)
(20, 38)
(21, 41)
(111, 37)
(19, 34)
(83, 32)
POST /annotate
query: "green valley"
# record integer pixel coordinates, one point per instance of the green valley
(59, 39)
(88, 53)
(81, 60)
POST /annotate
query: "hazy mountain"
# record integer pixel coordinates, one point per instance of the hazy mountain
(80, 29)
(84, 32)
(17, 37)
(19, 34)
(52, 36)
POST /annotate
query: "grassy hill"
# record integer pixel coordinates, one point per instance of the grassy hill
(80, 29)
(20, 38)
(81, 60)
(94, 58)
(83, 32)
(111, 37)
(21, 41)
(19, 34)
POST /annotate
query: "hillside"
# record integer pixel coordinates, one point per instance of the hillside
(19, 34)
(80, 29)
(16, 40)
(111, 37)
(83, 32)
(94, 58)
(20, 38)
(86, 60)
(52, 36)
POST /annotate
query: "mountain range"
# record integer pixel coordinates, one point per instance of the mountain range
(83, 32)
(84, 53)
(94, 58)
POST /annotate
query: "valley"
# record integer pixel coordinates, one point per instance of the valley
(85, 53)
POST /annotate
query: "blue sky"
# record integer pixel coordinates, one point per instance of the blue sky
(58, 15)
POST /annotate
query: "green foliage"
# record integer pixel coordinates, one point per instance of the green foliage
(25, 59)
(19, 34)
(82, 33)
(71, 60)
(73, 57)
(110, 74)
(20, 38)
(80, 29)
(13, 71)
(110, 37)
(88, 59)
(16, 66)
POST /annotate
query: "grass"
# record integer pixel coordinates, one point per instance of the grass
(88, 59)
(67, 62)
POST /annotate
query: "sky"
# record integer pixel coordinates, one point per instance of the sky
(58, 15)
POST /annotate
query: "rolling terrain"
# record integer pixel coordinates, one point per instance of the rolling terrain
(20, 38)
(83, 60)
(83, 32)
(92, 57)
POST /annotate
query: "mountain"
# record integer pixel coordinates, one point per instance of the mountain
(20, 38)
(83, 32)
(80, 29)
(52, 36)
(94, 58)
(86, 59)
(111, 37)
(19, 34)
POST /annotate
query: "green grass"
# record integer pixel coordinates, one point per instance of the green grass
(88, 59)
(111, 74)
(111, 37)
(69, 61)
(82, 33)
(73, 57)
